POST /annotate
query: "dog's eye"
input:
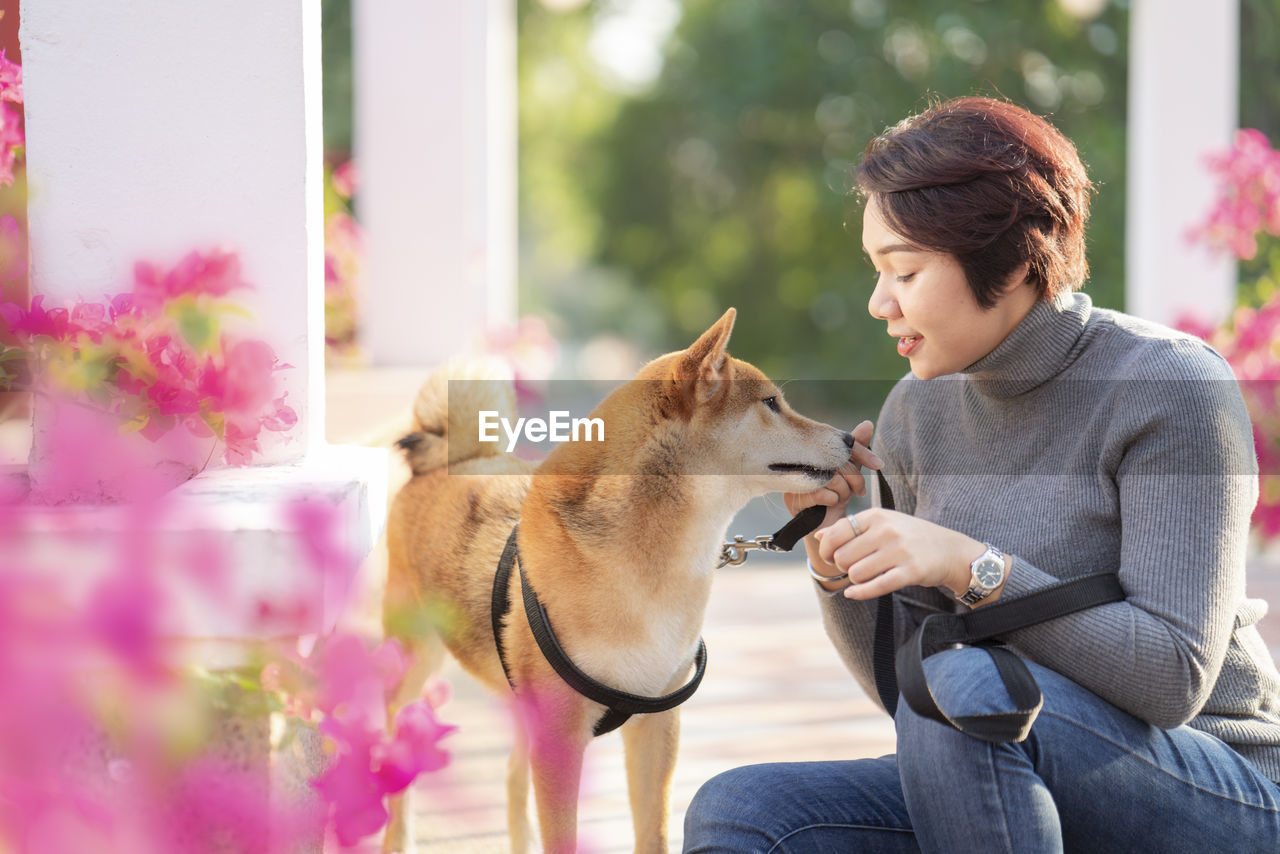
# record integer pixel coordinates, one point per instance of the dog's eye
(772, 403)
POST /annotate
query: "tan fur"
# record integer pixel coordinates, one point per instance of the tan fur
(619, 539)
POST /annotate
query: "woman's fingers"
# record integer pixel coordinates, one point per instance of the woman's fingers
(836, 541)
(860, 454)
(888, 581)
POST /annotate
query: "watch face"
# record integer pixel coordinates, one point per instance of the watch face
(989, 572)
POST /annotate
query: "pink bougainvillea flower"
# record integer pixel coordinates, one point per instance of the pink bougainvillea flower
(216, 274)
(10, 79)
(281, 417)
(28, 323)
(1248, 206)
(247, 381)
(241, 446)
(1248, 196)
(11, 137)
(352, 791)
(351, 681)
(414, 748)
(346, 179)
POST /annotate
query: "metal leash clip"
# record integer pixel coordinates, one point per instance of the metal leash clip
(735, 553)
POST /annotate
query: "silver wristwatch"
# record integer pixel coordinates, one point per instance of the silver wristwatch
(986, 574)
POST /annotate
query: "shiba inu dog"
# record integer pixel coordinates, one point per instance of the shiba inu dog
(618, 540)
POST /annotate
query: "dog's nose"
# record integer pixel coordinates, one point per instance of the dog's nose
(849, 441)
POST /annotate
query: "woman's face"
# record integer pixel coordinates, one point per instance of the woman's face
(926, 303)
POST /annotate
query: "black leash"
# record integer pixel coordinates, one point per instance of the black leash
(977, 628)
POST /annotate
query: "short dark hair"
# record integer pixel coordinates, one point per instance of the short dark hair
(990, 183)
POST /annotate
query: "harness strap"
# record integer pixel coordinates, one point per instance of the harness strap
(501, 602)
(621, 705)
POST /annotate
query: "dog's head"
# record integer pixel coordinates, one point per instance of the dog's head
(717, 415)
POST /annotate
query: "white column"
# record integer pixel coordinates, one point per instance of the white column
(1183, 92)
(155, 128)
(436, 148)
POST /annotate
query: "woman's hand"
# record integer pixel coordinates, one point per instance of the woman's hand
(884, 550)
(847, 482)
(836, 494)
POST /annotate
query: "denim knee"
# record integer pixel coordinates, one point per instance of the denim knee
(965, 681)
(714, 813)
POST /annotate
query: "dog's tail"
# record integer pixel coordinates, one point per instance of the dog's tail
(447, 410)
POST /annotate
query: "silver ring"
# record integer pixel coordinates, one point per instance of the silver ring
(857, 529)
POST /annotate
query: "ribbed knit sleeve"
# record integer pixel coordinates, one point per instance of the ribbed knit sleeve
(1187, 482)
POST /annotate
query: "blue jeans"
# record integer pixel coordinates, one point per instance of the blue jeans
(1089, 778)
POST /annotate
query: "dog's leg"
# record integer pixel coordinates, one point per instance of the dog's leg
(518, 793)
(423, 656)
(650, 742)
(558, 736)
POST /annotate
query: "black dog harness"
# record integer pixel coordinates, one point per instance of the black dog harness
(620, 705)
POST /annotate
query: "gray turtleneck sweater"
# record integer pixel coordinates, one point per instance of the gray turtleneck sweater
(1091, 440)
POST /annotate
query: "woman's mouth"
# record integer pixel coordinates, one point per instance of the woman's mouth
(907, 344)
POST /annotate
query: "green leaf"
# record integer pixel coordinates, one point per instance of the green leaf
(198, 328)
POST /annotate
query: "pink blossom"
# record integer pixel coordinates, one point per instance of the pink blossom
(413, 750)
(1249, 195)
(29, 323)
(346, 179)
(354, 794)
(281, 417)
(247, 380)
(10, 79)
(11, 137)
(216, 274)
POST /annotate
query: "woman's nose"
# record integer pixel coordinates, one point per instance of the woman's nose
(882, 305)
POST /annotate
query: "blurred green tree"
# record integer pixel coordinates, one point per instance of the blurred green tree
(727, 182)
(337, 83)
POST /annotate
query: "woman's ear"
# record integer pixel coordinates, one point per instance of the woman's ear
(1018, 277)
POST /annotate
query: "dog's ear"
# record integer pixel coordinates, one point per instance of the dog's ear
(705, 369)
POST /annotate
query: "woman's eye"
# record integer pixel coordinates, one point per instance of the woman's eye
(772, 403)
(906, 277)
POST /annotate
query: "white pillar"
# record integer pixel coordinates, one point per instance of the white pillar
(155, 128)
(435, 144)
(1184, 60)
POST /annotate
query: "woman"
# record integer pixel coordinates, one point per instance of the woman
(1036, 438)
